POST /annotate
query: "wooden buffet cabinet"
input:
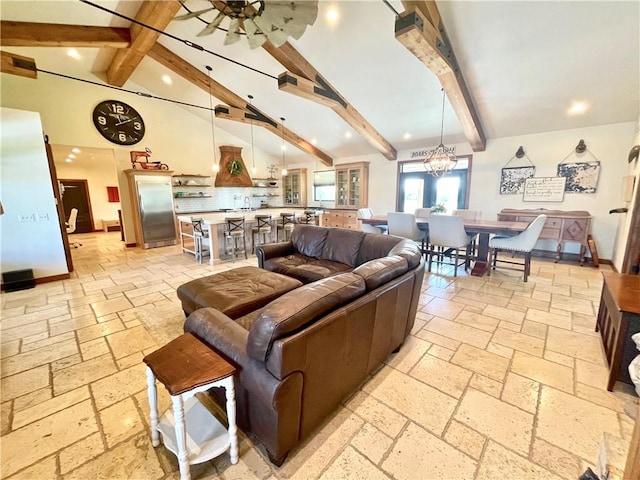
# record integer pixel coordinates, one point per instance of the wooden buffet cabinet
(560, 226)
(340, 218)
(618, 320)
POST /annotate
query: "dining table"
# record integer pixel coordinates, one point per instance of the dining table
(483, 228)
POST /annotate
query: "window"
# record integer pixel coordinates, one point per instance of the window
(324, 186)
(420, 189)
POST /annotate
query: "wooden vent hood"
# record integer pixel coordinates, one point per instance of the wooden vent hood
(233, 172)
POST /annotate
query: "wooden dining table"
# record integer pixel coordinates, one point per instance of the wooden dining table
(484, 228)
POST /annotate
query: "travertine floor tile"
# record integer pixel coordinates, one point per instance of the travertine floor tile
(555, 460)
(601, 397)
(120, 421)
(518, 341)
(81, 452)
(351, 464)
(501, 350)
(5, 417)
(498, 462)
(71, 325)
(48, 407)
(559, 358)
(575, 345)
(592, 374)
(21, 332)
(99, 330)
(410, 353)
(9, 348)
(459, 332)
(441, 352)
(35, 358)
(82, 374)
(443, 308)
(377, 414)
(482, 362)
(24, 382)
(399, 392)
(507, 314)
(484, 297)
(560, 321)
(464, 439)
(130, 341)
(497, 420)
(19, 449)
(442, 375)
(573, 424)
(521, 392)
(110, 306)
(477, 320)
(372, 443)
(43, 469)
(437, 458)
(534, 329)
(572, 304)
(543, 371)
(439, 340)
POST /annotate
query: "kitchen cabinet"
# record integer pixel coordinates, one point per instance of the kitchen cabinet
(192, 193)
(352, 184)
(294, 187)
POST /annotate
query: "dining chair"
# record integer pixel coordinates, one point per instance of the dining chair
(233, 234)
(262, 228)
(365, 227)
(469, 215)
(200, 238)
(422, 212)
(521, 243)
(285, 225)
(404, 225)
(447, 232)
(72, 224)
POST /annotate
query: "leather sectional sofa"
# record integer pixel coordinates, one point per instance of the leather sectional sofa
(304, 352)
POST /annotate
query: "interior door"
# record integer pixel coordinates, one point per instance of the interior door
(423, 190)
(76, 195)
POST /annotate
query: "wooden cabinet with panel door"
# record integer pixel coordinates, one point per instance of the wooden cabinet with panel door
(352, 185)
(294, 187)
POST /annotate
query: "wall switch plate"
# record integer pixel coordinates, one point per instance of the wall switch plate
(43, 217)
(26, 218)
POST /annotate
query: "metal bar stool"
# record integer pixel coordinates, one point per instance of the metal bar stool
(199, 237)
(233, 233)
(263, 227)
(287, 222)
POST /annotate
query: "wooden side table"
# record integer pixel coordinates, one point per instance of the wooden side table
(618, 319)
(186, 366)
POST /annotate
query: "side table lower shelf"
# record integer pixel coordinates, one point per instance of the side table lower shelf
(206, 436)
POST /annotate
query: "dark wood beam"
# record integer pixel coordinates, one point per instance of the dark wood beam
(421, 31)
(17, 65)
(156, 14)
(29, 34)
(239, 109)
(299, 67)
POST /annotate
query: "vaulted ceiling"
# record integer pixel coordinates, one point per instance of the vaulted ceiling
(518, 67)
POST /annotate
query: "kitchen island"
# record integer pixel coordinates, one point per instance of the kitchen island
(215, 223)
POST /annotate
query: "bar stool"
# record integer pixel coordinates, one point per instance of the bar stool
(233, 233)
(200, 238)
(309, 217)
(263, 228)
(287, 222)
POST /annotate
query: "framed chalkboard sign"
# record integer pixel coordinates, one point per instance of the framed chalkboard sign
(544, 189)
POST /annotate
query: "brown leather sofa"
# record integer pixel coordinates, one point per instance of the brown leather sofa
(304, 352)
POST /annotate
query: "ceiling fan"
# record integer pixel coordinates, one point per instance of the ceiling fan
(261, 20)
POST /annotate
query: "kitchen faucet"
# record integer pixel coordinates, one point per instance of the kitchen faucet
(247, 204)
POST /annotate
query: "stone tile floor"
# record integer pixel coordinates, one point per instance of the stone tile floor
(499, 379)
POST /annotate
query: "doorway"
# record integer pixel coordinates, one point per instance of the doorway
(75, 194)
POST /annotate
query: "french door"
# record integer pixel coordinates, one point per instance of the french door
(423, 190)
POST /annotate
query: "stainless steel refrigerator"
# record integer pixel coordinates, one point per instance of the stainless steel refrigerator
(155, 204)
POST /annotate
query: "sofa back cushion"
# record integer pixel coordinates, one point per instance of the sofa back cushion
(379, 271)
(300, 307)
(342, 245)
(375, 246)
(408, 249)
(309, 240)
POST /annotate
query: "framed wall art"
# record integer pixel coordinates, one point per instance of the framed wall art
(582, 177)
(512, 179)
(544, 189)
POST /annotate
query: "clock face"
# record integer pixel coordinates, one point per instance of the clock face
(118, 122)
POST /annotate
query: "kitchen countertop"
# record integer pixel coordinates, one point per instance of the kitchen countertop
(216, 218)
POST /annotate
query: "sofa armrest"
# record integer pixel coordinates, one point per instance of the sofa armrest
(229, 339)
(273, 250)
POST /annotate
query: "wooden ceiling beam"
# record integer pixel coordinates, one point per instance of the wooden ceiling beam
(18, 65)
(239, 109)
(429, 43)
(30, 34)
(299, 67)
(156, 14)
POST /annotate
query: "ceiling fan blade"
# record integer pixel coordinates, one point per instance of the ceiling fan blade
(254, 35)
(189, 15)
(233, 34)
(209, 29)
(279, 20)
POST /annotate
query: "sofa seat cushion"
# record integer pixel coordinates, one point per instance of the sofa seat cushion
(295, 310)
(235, 292)
(379, 271)
(305, 269)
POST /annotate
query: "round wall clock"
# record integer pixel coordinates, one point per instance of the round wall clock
(118, 122)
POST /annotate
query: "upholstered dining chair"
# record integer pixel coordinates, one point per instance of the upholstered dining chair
(422, 212)
(365, 227)
(522, 243)
(233, 233)
(447, 232)
(469, 215)
(404, 225)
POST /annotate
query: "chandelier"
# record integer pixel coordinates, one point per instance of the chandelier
(261, 20)
(441, 160)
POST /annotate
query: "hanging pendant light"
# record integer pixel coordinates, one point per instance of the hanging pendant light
(284, 165)
(253, 153)
(216, 166)
(441, 160)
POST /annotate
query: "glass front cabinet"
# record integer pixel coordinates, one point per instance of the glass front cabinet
(294, 187)
(352, 184)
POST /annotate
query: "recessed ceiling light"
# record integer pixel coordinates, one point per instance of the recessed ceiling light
(73, 53)
(577, 108)
(406, 136)
(76, 150)
(71, 155)
(347, 135)
(314, 141)
(167, 79)
(68, 160)
(283, 147)
(332, 15)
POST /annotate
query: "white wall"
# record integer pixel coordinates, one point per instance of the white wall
(26, 192)
(624, 220)
(175, 136)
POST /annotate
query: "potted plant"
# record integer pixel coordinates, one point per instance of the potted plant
(439, 209)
